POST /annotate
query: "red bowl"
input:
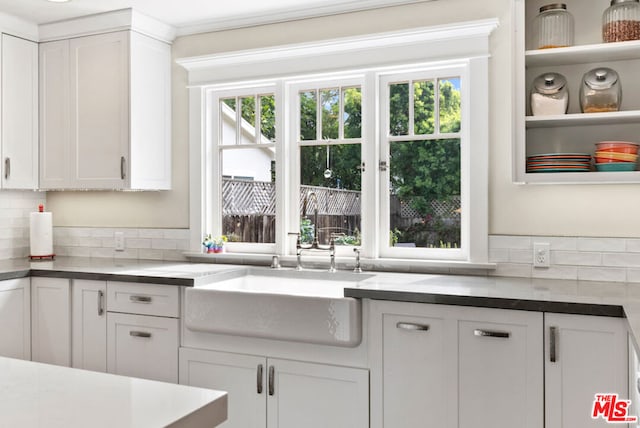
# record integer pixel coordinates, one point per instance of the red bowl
(617, 146)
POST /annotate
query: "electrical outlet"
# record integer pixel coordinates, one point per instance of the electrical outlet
(119, 238)
(541, 254)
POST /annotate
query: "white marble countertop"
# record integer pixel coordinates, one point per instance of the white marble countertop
(36, 395)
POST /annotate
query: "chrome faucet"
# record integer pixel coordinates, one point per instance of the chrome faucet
(357, 269)
(315, 244)
(331, 249)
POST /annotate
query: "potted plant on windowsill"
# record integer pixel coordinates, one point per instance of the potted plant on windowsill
(214, 245)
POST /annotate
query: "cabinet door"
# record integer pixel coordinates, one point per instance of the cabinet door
(316, 395)
(55, 163)
(15, 318)
(19, 113)
(500, 368)
(51, 321)
(99, 78)
(584, 356)
(242, 376)
(415, 373)
(89, 325)
(142, 346)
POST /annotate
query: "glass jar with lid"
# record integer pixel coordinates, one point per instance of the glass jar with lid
(621, 21)
(549, 95)
(553, 27)
(600, 91)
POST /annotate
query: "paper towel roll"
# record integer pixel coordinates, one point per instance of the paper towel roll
(41, 236)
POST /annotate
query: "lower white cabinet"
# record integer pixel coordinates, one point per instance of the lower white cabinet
(272, 392)
(451, 366)
(584, 356)
(143, 346)
(51, 320)
(15, 318)
(89, 325)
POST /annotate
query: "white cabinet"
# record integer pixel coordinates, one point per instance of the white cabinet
(15, 318)
(105, 113)
(575, 131)
(143, 330)
(143, 346)
(89, 325)
(19, 113)
(272, 392)
(499, 368)
(51, 321)
(584, 355)
(449, 366)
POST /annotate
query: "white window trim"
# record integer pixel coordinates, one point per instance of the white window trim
(467, 41)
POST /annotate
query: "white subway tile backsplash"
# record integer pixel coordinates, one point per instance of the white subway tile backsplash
(633, 245)
(151, 233)
(621, 259)
(15, 207)
(521, 256)
(559, 243)
(512, 269)
(498, 255)
(602, 274)
(576, 258)
(510, 242)
(602, 244)
(556, 272)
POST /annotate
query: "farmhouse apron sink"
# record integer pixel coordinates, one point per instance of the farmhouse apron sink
(302, 306)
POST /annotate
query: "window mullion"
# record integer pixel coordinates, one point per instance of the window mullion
(238, 121)
(411, 108)
(340, 113)
(257, 130)
(436, 106)
(318, 115)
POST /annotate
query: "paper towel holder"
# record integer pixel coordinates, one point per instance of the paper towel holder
(41, 257)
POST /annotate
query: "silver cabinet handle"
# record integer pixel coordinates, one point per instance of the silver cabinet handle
(100, 303)
(259, 379)
(491, 333)
(140, 299)
(271, 380)
(412, 326)
(7, 168)
(123, 165)
(140, 334)
(553, 344)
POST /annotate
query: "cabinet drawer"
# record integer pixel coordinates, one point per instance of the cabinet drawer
(143, 299)
(143, 346)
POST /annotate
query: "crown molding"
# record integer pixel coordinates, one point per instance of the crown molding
(18, 27)
(288, 14)
(442, 42)
(118, 20)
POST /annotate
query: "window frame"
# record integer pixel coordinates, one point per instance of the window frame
(370, 55)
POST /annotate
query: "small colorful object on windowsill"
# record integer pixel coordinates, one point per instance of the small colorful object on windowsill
(214, 245)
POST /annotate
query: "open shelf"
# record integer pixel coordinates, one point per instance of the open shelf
(593, 177)
(607, 118)
(600, 52)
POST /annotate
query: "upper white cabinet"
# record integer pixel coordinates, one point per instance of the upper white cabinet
(19, 96)
(574, 132)
(15, 318)
(105, 113)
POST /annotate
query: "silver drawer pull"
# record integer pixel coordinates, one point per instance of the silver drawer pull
(100, 303)
(553, 344)
(140, 299)
(412, 326)
(491, 333)
(140, 334)
(7, 168)
(259, 379)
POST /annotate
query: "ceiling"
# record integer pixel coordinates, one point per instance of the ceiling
(192, 16)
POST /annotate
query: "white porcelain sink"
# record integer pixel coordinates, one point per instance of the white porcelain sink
(278, 304)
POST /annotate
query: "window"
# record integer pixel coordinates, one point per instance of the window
(422, 142)
(378, 156)
(329, 154)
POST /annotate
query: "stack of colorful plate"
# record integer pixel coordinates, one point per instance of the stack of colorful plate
(616, 156)
(559, 162)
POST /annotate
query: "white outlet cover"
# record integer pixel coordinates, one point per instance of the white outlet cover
(541, 254)
(119, 241)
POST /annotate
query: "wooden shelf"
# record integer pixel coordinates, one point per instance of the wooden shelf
(601, 52)
(583, 119)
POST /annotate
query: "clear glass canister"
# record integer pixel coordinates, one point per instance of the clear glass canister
(600, 91)
(621, 21)
(554, 27)
(549, 95)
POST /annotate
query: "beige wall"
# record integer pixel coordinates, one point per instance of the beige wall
(606, 210)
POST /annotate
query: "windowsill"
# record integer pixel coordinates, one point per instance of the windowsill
(347, 263)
